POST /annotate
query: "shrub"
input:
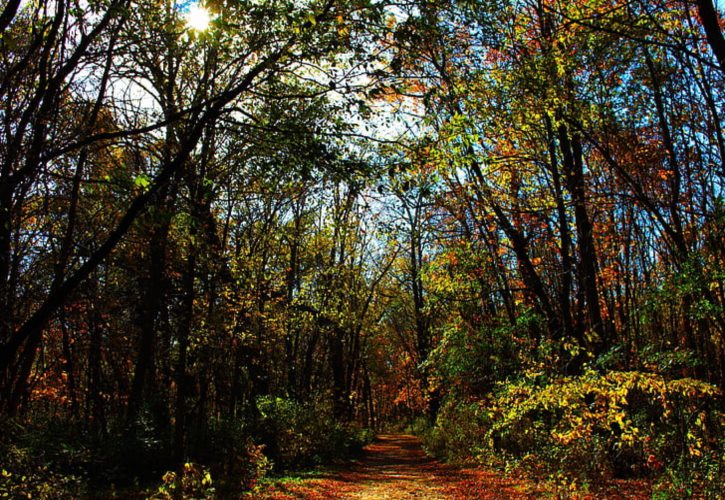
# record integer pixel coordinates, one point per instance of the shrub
(194, 481)
(298, 434)
(227, 444)
(458, 432)
(253, 466)
(21, 476)
(420, 426)
(40, 462)
(592, 427)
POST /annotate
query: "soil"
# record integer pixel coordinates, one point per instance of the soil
(395, 467)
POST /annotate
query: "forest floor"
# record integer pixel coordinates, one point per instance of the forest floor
(395, 467)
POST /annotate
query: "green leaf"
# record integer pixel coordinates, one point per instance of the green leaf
(142, 181)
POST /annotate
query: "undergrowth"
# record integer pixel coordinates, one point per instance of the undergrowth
(52, 458)
(579, 432)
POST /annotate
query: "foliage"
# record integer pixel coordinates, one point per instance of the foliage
(193, 481)
(471, 361)
(298, 434)
(592, 427)
(254, 465)
(457, 432)
(205, 259)
(237, 462)
(23, 476)
(31, 469)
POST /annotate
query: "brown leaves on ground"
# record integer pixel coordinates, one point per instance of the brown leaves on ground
(395, 467)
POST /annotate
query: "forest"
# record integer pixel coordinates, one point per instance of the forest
(241, 238)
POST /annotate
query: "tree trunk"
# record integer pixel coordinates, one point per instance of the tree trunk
(711, 22)
(587, 263)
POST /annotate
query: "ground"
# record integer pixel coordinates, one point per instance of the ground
(395, 467)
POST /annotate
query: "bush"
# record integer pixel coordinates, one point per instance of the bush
(194, 482)
(420, 426)
(21, 477)
(458, 432)
(40, 462)
(253, 466)
(299, 434)
(237, 461)
(593, 427)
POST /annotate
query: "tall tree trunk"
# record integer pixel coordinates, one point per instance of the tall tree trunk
(153, 294)
(94, 403)
(587, 263)
(69, 365)
(711, 22)
(567, 264)
(183, 338)
(337, 368)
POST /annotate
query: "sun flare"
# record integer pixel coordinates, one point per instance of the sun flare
(198, 18)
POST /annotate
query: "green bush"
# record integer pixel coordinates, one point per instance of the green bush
(592, 427)
(457, 358)
(237, 461)
(458, 432)
(299, 434)
(420, 426)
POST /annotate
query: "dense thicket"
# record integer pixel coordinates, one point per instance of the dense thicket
(255, 240)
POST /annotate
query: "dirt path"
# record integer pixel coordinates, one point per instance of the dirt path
(395, 467)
